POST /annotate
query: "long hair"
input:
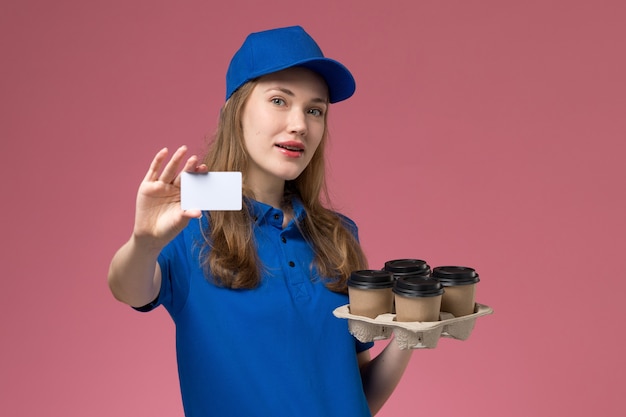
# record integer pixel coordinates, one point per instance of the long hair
(229, 255)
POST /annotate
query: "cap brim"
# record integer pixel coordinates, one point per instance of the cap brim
(341, 84)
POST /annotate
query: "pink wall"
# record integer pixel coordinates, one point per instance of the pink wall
(483, 133)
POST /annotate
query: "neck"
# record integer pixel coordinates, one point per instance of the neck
(272, 195)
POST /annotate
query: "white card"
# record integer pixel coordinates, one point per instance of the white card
(211, 191)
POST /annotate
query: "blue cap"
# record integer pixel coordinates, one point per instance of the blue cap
(274, 50)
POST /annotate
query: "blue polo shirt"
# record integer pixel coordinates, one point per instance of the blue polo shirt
(276, 350)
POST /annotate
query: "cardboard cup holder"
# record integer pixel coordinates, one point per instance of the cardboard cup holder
(411, 335)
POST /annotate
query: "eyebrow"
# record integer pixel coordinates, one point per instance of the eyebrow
(291, 94)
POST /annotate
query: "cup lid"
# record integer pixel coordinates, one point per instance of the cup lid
(455, 275)
(417, 286)
(370, 279)
(407, 266)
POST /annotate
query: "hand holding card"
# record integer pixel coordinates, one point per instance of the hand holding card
(215, 191)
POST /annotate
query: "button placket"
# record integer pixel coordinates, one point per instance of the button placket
(292, 264)
(294, 272)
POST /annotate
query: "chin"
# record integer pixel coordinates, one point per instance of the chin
(289, 175)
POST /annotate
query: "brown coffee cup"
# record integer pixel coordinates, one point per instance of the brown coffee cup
(417, 298)
(460, 289)
(370, 293)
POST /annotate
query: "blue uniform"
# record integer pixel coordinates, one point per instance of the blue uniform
(276, 350)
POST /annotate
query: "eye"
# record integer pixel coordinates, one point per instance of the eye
(316, 112)
(278, 101)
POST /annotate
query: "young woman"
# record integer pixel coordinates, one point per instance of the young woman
(252, 292)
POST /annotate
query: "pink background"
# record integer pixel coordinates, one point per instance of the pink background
(483, 133)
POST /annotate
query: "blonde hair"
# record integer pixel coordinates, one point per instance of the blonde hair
(229, 255)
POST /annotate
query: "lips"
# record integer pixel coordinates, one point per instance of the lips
(291, 146)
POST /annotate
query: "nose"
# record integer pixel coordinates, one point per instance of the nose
(296, 122)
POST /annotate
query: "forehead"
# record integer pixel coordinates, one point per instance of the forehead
(301, 79)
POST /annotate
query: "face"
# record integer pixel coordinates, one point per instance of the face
(283, 124)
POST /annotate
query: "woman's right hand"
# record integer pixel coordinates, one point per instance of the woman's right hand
(158, 216)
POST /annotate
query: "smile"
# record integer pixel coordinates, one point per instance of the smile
(292, 147)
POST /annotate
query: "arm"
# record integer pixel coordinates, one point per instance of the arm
(134, 275)
(382, 374)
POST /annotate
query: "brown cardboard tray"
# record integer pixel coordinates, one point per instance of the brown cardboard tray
(411, 335)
